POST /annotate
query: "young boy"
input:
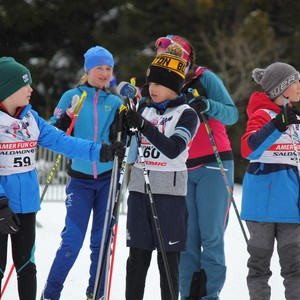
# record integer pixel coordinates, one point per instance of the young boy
(270, 202)
(166, 127)
(22, 130)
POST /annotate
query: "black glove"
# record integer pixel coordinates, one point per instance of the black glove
(286, 117)
(199, 104)
(118, 124)
(64, 122)
(108, 153)
(134, 120)
(9, 221)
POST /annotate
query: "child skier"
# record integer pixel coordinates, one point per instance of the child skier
(270, 200)
(19, 187)
(166, 128)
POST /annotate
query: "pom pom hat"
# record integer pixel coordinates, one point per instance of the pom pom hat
(97, 56)
(13, 76)
(168, 69)
(276, 78)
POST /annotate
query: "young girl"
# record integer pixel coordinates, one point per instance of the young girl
(22, 130)
(166, 127)
(88, 188)
(270, 201)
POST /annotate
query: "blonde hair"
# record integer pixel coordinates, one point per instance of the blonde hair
(83, 80)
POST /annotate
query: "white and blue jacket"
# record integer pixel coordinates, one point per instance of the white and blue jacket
(18, 141)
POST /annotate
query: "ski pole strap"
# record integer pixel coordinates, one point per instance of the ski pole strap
(76, 112)
(80, 103)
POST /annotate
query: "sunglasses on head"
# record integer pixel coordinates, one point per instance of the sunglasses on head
(162, 44)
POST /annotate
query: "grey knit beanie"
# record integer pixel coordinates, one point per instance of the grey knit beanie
(276, 78)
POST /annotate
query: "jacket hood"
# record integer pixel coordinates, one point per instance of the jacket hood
(259, 100)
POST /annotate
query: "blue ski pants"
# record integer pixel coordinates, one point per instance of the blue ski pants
(208, 204)
(83, 197)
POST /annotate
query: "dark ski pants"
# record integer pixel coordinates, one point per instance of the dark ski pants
(261, 247)
(137, 267)
(23, 248)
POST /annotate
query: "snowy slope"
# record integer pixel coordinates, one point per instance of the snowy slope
(48, 238)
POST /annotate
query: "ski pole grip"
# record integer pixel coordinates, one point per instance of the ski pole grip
(194, 92)
(122, 112)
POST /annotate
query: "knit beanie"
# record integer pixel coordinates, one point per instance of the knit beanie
(276, 78)
(97, 56)
(168, 69)
(13, 76)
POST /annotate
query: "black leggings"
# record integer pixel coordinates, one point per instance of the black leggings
(23, 246)
(138, 263)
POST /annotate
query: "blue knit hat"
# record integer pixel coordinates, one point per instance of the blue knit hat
(13, 76)
(97, 56)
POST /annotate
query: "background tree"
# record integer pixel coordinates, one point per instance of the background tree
(230, 37)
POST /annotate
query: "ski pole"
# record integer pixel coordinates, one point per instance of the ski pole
(110, 241)
(59, 156)
(153, 210)
(112, 211)
(102, 257)
(7, 280)
(292, 133)
(113, 221)
(113, 233)
(112, 260)
(155, 218)
(221, 166)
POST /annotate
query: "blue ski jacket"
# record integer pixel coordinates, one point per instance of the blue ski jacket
(93, 123)
(22, 188)
(271, 181)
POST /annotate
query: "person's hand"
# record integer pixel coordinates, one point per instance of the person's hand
(9, 221)
(286, 117)
(117, 126)
(134, 120)
(74, 102)
(199, 104)
(108, 152)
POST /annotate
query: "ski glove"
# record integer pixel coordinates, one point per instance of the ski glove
(71, 110)
(117, 125)
(135, 120)
(64, 122)
(9, 221)
(199, 104)
(286, 117)
(108, 152)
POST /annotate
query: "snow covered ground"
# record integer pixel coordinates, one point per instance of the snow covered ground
(51, 217)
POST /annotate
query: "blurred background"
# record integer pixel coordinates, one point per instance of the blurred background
(230, 37)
